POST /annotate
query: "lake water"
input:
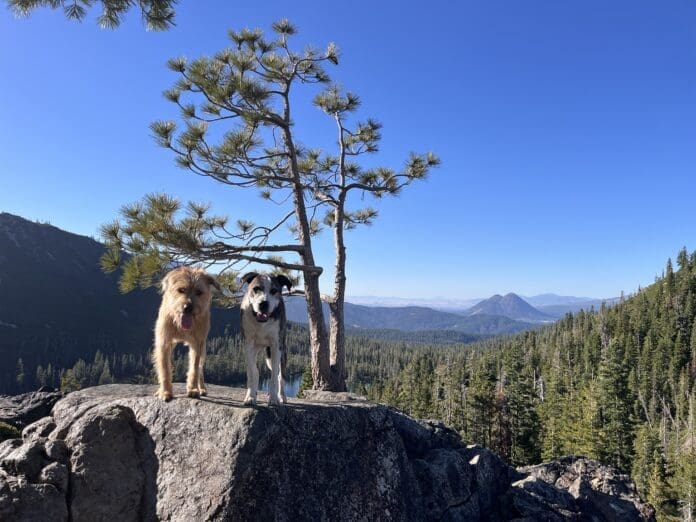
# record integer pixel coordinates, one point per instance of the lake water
(292, 385)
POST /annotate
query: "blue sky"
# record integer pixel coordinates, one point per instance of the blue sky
(567, 133)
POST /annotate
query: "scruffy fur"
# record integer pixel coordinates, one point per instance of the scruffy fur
(184, 316)
(263, 327)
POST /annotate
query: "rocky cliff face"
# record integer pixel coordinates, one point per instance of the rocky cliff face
(116, 453)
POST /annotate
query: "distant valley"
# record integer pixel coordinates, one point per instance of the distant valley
(59, 306)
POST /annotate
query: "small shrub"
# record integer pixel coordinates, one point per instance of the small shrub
(8, 432)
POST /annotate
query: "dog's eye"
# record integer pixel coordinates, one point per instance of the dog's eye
(181, 290)
(274, 291)
(258, 289)
(199, 292)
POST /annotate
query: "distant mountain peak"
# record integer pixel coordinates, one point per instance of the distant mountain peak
(510, 305)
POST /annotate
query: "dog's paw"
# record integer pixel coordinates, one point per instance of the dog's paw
(283, 399)
(165, 395)
(273, 401)
(194, 394)
(203, 391)
(249, 401)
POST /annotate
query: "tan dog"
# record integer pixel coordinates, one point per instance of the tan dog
(184, 316)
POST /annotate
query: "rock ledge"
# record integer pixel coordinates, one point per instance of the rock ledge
(116, 453)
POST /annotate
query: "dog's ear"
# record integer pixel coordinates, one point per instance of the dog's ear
(284, 281)
(249, 277)
(166, 280)
(212, 281)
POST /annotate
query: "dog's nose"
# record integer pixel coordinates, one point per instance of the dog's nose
(263, 306)
(188, 308)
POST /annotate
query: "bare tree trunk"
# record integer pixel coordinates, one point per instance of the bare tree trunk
(337, 325)
(321, 370)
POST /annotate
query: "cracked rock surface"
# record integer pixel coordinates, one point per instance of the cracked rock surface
(115, 452)
(21, 410)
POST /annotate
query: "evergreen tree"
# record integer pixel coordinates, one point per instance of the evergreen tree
(692, 363)
(685, 466)
(41, 377)
(614, 441)
(647, 442)
(105, 377)
(650, 469)
(659, 493)
(340, 175)
(238, 132)
(306, 383)
(521, 401)
(481, 403)
(579, 423)
(68, 382)
(552, 412)
(19, 376)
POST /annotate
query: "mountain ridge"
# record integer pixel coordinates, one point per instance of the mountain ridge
(412, 319)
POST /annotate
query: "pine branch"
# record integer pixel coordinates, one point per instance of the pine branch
(158, 15)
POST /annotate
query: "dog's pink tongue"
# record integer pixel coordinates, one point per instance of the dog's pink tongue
(186, 321)
(262, 317)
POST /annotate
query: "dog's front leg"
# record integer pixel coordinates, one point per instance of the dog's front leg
(193, 370)
(163, 364)
(281, 379)
(252, 375)
(275, 382)
(201, 384)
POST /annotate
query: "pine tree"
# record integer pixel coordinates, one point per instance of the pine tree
(458, 392)
(579, 425)
(685, 468)
(41, 378)
(105, 377)
(340, 175)
(238, 132)
(306, 383)
(68, 382)
(481, 403)
(646, 443)
(614, 441)
(51, 376)
(19, 375)
(521, 402)
(693, 351)
(659, 492)
(650, 469)
(552, 412)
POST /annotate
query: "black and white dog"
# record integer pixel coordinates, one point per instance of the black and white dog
(263, 327)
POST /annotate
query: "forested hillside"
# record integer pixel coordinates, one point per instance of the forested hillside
(616, 385)
(58, 306)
